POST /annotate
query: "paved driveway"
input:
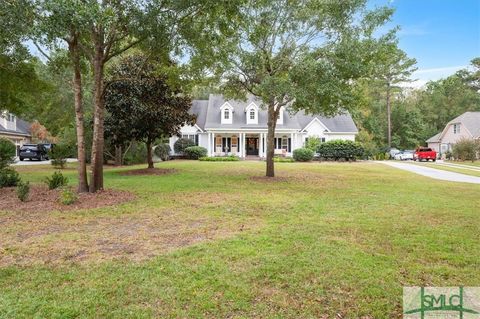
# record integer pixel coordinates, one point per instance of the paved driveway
(433, 172)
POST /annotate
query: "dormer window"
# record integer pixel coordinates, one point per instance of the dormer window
(252, 113)
(226, 112)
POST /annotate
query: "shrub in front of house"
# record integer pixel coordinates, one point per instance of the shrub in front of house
(313, 143)
(23, 190)
(9, 177)
(181, 144)
(163, 151)
(195, 152)
(67, 197)
(59, 154)
(466, 150)
(340, 150)
(7, 152)
(57, 180)
(230, 158)
(303, 154)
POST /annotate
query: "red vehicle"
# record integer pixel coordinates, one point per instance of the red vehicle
(424, 154)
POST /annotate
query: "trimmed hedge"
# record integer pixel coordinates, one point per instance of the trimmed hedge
(303, 155)
(340, 150)
(219, 159)
(195, 152)
(181, 144)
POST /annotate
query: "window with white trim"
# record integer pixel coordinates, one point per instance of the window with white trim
(456, 128)
(252, 114)
(192, 137)
(226, 114)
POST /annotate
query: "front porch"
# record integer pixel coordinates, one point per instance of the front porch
(249, 145)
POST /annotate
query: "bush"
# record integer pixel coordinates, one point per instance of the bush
(23, 190)
(8, 151)
(181, 144)
(67, 197)
(313, 143)
(230, 158)
(466, 150)
(340, 150)
(303, 155)
(9, 177)
(57, 180)
(195, 152)
(59, 154)
(163, 151)
(137, 154)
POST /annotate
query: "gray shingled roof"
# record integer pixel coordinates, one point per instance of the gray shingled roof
(435, 138)
(23, 128)
(471, 120)
(208, 116)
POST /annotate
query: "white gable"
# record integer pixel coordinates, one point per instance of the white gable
(251, 113)
(316, 128)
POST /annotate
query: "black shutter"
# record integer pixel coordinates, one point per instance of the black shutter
(229, 139)
(196, 139)
(289, 145)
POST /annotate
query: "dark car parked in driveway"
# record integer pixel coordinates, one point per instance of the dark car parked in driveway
(33, 151)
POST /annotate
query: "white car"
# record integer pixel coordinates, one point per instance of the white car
(404, 156)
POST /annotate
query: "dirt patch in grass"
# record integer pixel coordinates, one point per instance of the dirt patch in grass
(148, 171)
(53, 238)
(41, 199)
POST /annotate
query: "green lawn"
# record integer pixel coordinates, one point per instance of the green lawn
(210, 241)
(476, 163)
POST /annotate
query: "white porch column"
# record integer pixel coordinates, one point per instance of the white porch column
(209, 145)
(291, 143)
(244, 151)
(242, 145)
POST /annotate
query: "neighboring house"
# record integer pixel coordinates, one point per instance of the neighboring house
(14, 129)
(240, 128)
(466, 126)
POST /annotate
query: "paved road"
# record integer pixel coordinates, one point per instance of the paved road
(433, 172)
(29, 162)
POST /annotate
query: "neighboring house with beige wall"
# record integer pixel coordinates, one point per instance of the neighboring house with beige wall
(14, 129)
(464, 126)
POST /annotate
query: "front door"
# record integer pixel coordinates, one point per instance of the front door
(252, 145)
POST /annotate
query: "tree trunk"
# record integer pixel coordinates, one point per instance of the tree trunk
(118, 155)
(389, 118)
(79, 119)
(271, 123)
(96, 180)
(149, 154)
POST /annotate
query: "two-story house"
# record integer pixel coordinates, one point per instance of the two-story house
(231, 127)
(14, 129)
(466, 125)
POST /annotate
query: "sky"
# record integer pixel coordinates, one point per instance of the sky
(442, 35)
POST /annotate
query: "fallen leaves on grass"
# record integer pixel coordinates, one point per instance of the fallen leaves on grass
(41, 199)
